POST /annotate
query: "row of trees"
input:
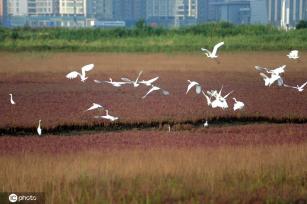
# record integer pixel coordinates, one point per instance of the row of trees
(140, 30)
(301, 25)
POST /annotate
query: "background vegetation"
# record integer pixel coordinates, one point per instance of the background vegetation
(145, 38)
(301, 25)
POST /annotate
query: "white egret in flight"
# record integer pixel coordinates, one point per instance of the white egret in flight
(208, 99)
(135, 83)
(149, 82)
(268, 81)
(299, 88)
(192, 84)
(155, 88)
(214, 93)
(277, 71)
(95, 106)
(220, 101)
(11, 99)
(107, 117)
(293, 54)
(275, 75)
(238, 105)
(113, 83)
(213, 54)
(39, 129)
(75, 74)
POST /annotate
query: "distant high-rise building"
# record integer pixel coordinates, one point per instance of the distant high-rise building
(31, 7)
(42, 7)
(232, 11)
(4, 12)
(295, 10)
(129, 10)
(17, 7)
(160, 8)
(202, 11)
(161, 12)
(100, 9)
(1, 11)
(186, 12)
(104, 9)
(90, 8)
(45, 7)
(258, 12)
(172, 12)
(72, 7)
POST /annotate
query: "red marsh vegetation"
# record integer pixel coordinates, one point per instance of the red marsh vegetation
(41, 90)
(203, 138)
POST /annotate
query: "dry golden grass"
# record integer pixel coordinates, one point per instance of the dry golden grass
(160, 175)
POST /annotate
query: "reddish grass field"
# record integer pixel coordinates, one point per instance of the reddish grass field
(41, 90)
(248, 135)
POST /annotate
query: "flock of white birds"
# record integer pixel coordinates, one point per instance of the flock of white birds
(214, 98)
(136, 83)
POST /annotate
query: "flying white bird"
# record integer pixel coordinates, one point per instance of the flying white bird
(155, 88)
(275, 75)
(39, 129)
(206, 124)
(213, 54)
(268, 81)
(149, 82)
(94, 106)
(194, 83)
(293, 54)
(299, 88)
(208, 99)
(135, 83)
(75, 74)
(214, 93)
(11, 99)
(107, 117)
(97, 81)
(220, 101)
(113, 83)
(238, 105)
(276, 71)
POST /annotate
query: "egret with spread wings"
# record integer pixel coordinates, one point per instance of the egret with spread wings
(299, 88)
(82, 75)
(213, 54)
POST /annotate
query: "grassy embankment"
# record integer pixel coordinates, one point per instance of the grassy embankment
(255, 174)
(148, 39)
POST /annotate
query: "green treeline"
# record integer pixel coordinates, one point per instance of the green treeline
(144, 38)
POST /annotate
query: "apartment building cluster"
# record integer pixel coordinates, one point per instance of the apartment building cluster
(255, 11)
(169, 13)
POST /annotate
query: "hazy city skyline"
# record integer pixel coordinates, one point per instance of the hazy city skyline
(169, 13)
